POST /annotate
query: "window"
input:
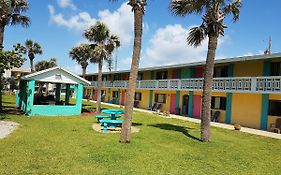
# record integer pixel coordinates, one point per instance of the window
(161, 75)
(275, 69)
(115, 94)
(140, 76)
(104, 78)
(274, 108)
(103, 93)
(220, 71)
(138, 96)
(218, 103)
(116, 77)
(160, 98)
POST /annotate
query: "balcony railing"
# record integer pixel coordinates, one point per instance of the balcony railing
(229, 84)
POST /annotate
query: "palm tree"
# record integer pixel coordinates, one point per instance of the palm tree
(81, 54)
(138, 7)
(11, 14)
(44, 64)
(31, 48)
(114, 43)
(214, 12)
(101, 48)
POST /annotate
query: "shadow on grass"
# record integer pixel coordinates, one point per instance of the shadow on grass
(136, 124)
(10, 110)
(170, 127)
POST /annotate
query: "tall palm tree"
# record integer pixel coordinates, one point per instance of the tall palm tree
(101, 47)
(138, 7)
(11, 14)
(114, 43)
(214, 12)
(31, 49)
(81, 54)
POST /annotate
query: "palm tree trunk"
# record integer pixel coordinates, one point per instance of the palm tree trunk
(1, 36)
(130, 94)
(1, 74)
(31, 65)
(98, 108)
(84, 72)
(207, 88)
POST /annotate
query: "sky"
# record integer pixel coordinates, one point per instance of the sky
(58, 25)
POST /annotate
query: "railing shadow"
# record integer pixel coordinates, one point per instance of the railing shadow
(170, 127)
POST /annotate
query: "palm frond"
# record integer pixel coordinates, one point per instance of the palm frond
(97, 33)
(19, 19)
(140, 4)
(233, 9)
(186, 7)
(196, 35)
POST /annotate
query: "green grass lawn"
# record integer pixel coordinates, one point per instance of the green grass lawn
(68, 145)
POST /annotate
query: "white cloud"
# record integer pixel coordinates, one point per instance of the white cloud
(76, 68)
(168, 46)
(79, 22)
(66, 4)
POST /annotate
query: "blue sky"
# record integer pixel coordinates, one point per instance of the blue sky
(58, 26)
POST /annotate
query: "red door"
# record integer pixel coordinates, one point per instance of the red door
(196, 106)
(123, 97)
(95, 94)
(199, 72)
(175, 74)
(173, 103)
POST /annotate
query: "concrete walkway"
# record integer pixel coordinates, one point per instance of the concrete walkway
(219, 125)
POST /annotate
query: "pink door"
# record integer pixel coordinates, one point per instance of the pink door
(175, 74)
(95, 94)
(173, 104)
(196, 106)
(123, 97)
(199, 72)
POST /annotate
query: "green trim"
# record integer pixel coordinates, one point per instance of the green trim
(58, 91)
(190, 103)
(30, 96)
(67, 93)
(185, 72)
(230, 70)
(152, 75)
(177, 99)
(150, 98)
(264, 112)
(192, 72)
(266, 68)
(228, 108)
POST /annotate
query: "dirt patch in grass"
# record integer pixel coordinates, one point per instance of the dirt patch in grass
(97, 127)
(6, 128)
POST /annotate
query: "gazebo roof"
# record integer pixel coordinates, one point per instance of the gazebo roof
(56, 75)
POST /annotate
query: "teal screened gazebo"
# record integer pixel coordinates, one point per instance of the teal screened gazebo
(63, 93)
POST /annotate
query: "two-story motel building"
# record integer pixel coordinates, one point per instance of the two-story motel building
(246, 90)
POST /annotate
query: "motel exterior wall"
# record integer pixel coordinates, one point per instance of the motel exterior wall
(242, 106)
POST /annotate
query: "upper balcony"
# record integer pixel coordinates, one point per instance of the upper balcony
(266, 85)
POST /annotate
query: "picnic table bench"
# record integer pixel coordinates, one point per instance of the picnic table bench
(100, 117)
(110, 124)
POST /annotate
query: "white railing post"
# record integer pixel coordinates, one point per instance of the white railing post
(253, 84)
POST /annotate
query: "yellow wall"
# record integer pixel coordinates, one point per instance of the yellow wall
(246, 109)
(271, 120)
(244, 69)
(166, 106)
(144, 103)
